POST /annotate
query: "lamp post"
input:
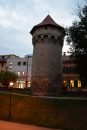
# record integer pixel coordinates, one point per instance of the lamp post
(10, 98)
(26, 81)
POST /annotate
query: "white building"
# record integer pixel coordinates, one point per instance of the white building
(21, 66)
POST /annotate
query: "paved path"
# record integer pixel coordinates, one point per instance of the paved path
(5, 125)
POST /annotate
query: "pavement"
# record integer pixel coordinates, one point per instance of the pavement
(5, 125)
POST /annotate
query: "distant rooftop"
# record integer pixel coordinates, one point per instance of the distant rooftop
(28, 55)
(8, 55)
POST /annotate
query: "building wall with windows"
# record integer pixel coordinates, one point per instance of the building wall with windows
(3, 61)
(22, 67)
(2, 64)
(70, 75)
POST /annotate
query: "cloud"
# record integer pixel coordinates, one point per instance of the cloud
(14, 41)
(14, 29)
(17, 17)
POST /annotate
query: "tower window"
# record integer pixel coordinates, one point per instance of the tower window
(45, 28)
(45, 36)
(38, 68)
(41, 54)
(59, 38)
(39, 36)
(52, 37)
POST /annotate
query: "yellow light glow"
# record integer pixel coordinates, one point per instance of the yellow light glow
(11, 83)
(72, 83)
(79, 84)
(65, 83)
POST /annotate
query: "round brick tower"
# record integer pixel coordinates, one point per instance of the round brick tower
(46, 75)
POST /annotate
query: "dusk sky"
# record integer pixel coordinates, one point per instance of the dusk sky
(17, 17)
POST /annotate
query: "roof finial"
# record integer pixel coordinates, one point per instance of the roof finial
(48, 12)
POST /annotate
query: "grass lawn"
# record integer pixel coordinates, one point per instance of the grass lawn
(68, 114)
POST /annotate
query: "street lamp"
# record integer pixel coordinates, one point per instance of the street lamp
(26, 81)
(11, 84)
(10, 98)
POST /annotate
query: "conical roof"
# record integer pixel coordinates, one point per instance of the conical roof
(48, 21)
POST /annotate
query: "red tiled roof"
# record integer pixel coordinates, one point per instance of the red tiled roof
(47, 21)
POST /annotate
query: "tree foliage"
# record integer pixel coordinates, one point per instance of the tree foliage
(6, 77)
(77, 38)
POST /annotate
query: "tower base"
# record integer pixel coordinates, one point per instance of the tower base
(44, 86)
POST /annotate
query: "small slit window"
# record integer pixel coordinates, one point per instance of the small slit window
(45, 28)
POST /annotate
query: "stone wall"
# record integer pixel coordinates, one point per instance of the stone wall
(47, 62)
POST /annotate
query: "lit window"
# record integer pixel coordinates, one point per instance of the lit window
(21, 84)
(22, 73)
(29, 84)
(19, 73)
(10, 67)
(65, 83)
(72, 83)
(79, 83)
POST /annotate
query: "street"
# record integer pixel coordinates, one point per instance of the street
(5, 125)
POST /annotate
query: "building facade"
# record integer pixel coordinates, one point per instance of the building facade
(22, 67)
(71, 78)
(47, 39)
(3, 61)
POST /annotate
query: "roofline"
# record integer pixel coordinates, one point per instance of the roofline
(51, 25)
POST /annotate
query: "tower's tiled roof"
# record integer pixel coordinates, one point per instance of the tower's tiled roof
(48, 21)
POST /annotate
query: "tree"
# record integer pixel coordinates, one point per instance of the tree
(77, 39)
(6, 77)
